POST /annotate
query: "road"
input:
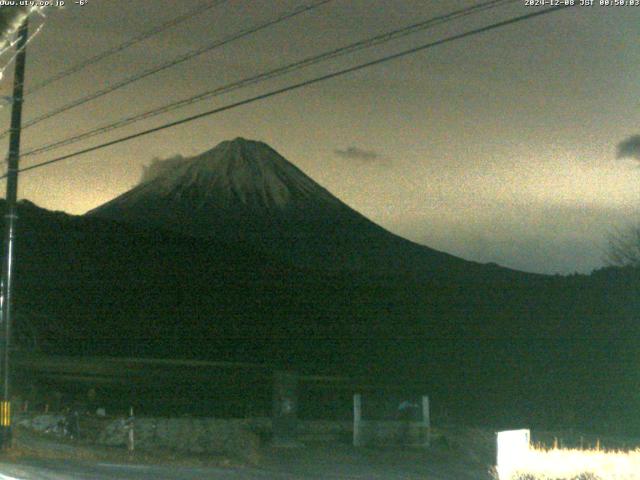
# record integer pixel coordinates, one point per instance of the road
(296, 464)
(65, 470)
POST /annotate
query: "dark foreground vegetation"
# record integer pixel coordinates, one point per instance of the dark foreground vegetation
(491, 346)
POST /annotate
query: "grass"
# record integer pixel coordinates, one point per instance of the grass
(540, 463)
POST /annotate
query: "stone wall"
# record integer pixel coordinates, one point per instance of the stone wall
(235, 437)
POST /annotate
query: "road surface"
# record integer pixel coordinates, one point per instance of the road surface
(297, 464)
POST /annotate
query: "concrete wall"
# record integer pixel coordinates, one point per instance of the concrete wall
(390, 432)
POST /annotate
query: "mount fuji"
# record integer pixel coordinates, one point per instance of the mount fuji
(243, 191)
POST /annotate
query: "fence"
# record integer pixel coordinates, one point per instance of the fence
(406, 423)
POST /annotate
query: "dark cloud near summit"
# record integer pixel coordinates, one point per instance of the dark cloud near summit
(630, 148)
(355, 153)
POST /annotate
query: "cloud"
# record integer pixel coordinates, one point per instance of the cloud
(10, 20)
(11, 17)
(355, 153)
(160, 166)
(630, 148)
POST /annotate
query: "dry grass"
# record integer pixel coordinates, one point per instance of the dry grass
(540, 463)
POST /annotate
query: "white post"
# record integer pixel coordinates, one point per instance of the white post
(512, 448)
(426, 419)
(357, 418)
(131, 438)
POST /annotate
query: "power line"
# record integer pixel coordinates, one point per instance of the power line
(171, 63)
(367, 43)
(132, 41)
(299, 85)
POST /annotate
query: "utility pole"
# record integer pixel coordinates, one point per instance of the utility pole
(9, 234)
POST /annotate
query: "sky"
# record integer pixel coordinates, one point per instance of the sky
(501, 147)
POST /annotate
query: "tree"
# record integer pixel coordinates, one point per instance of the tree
(624, 248)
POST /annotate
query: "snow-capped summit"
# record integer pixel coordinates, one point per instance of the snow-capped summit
(237, 173)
